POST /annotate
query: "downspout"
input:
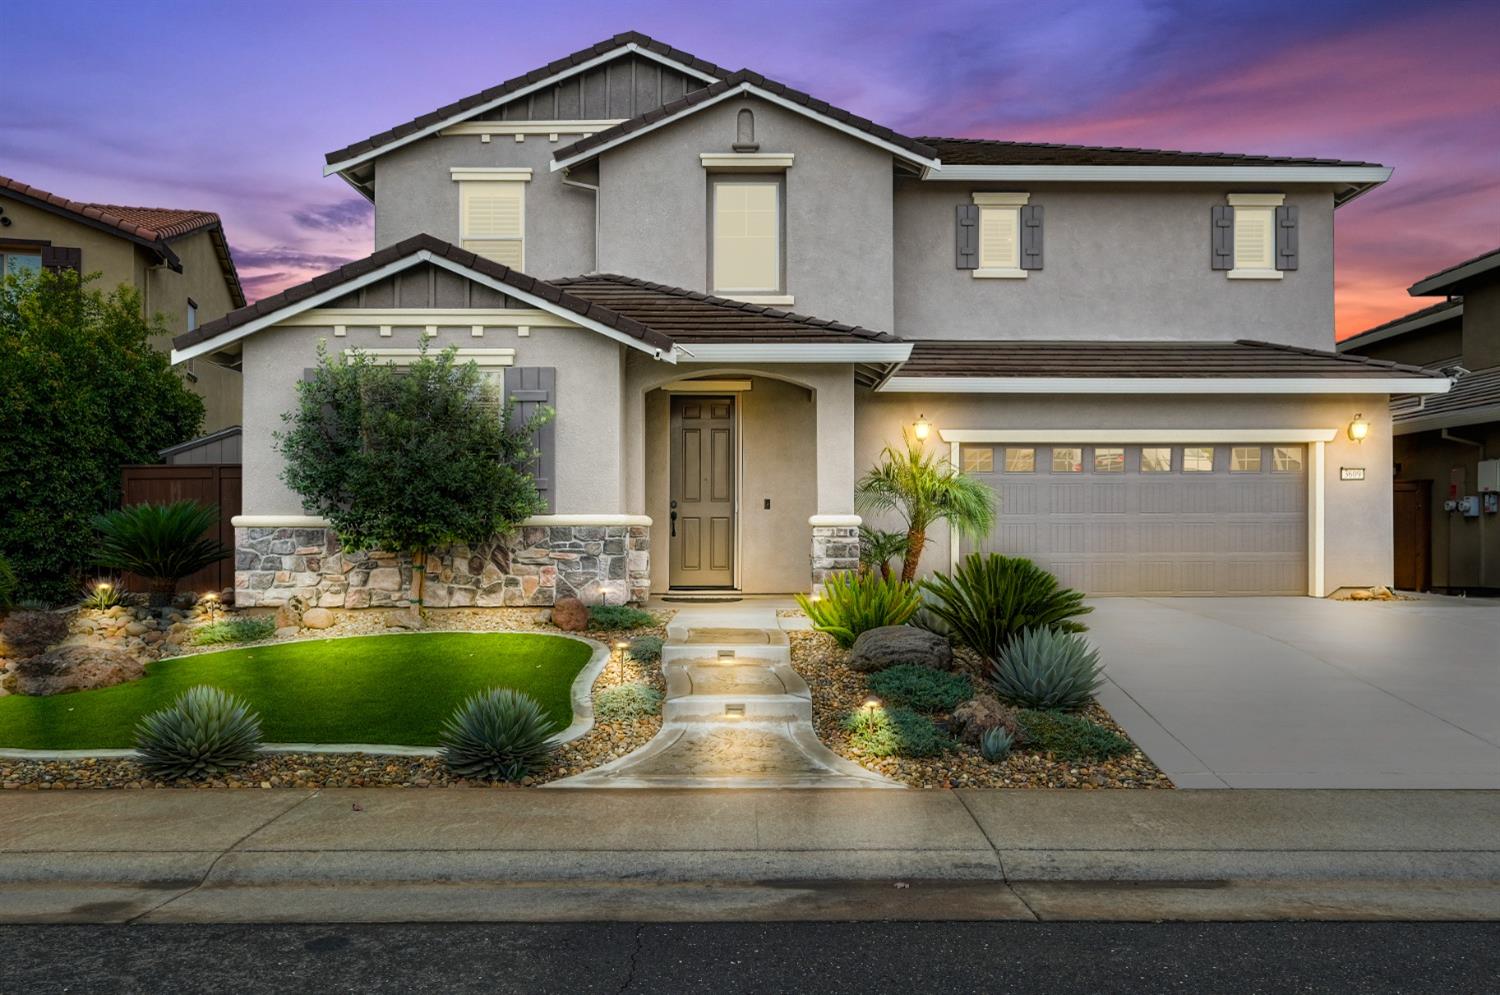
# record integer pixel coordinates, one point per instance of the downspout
(594, 187)
(1448, 436)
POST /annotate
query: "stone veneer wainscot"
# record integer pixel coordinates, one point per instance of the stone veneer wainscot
(600, 564)
(834, 548)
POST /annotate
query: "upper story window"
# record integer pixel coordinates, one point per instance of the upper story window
(20, 260)
(746, 213)
(999, 235)
(1255, 236)
(192, 314)
(492, 213)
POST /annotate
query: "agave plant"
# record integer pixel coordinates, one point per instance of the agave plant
(205, 732)
(924, 489)
(854, 602)
(1048, 670)
(497, 735)
(995, 744)
(990, 599)
(161, 542)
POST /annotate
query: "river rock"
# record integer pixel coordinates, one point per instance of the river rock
(877, 649)
(73, 668)
(570, 615)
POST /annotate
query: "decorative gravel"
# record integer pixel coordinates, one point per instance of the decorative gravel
(601, 744)
(837, 690)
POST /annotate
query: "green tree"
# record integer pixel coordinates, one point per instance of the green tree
(409, 458)
(924, 489)
(82, 392)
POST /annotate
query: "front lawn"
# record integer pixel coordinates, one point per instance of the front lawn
(391, 689)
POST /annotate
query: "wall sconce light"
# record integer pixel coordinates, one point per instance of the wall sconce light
(922, 428)
(1358, 428)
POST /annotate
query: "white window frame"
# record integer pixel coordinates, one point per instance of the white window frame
(759, 295)
(471, 180)
(1255, 209)
(1001, 208)
(192, 314)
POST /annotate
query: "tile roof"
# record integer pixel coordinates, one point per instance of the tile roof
(409, 247)
(1443, 279)
(689, 316)
(1429, 311)
(992, 152)
(1471, 392)
(1153, 359)
(687, 102)
(153, 227)
(476, 100)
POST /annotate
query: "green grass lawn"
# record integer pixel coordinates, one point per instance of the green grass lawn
(394, 689)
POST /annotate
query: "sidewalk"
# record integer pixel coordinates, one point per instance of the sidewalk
(648, 855)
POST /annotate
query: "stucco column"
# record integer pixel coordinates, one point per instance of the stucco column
(835, 528)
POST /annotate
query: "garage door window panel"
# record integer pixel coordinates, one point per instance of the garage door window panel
(1067, 460)
(1198, 459)
(1244, 459)
(1286, 459)
(978, 459)
(1109, 460)
(1020, 460)
(1156, 459)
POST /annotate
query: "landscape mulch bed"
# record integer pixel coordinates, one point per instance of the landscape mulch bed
(837, 690)
(601, 744)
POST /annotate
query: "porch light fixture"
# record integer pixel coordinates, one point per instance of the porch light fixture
(1358, 428)
(922, 428)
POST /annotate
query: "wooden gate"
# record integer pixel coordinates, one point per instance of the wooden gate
(208, 483)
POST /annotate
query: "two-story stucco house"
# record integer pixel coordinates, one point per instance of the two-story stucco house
(734, 294)
(177, 260)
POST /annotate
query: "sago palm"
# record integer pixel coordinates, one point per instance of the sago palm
(162, 543)
(925, 489)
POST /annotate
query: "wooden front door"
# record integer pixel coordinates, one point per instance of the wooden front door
(1413, 535)
(702, 491)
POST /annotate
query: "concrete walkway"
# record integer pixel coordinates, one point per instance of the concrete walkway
(1305, 692)
(372, 855)
(736, 714)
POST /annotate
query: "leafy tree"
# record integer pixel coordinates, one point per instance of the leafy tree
(924, 489)
(409, 458)
(82, 392)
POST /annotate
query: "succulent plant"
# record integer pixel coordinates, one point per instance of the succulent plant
(1046, 669)
(995, 744)
(497, 735)
(205, 732)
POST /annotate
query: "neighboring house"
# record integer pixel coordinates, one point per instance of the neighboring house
(177, 260)
(1447, 448)
(1134, 347)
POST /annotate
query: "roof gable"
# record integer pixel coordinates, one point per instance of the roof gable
(1451, 280)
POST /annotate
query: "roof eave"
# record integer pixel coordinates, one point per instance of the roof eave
(1447, 281)
(1352, 180)
(1165, 385)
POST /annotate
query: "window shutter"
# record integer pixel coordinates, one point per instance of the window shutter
(533, 388)
(1286, 237)
(1222, 241)
(1031, 236)
(967, 234)
(58, 258)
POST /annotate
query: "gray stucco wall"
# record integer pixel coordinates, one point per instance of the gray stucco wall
(1358, 546)
(588, 433)
(653, 210)
(1433, 344)
(1121, 262)
(415, 193)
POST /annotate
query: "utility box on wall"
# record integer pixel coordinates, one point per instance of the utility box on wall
(1489, 476)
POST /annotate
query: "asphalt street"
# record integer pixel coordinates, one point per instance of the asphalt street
(827, 958)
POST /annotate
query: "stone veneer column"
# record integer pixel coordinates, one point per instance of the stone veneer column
(835, 546)
(599, 564)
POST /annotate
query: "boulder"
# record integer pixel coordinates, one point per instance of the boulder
(979, 715)
(287, 632)
(405, 618)
(289, 615)
(73, 668)
(317, 618)
(570, 615)
(27, 633)
(877, 649)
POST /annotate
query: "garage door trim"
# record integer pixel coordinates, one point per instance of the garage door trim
(1315, 439)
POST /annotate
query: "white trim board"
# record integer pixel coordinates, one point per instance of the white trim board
(1165, 385)
(405, 357)
(1170, 174)
(538, 127)
(753, 90)
(1137, 435)
(443, 317)
(795, 352)
(541, 84)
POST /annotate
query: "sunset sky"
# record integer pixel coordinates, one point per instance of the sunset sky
(230, 107)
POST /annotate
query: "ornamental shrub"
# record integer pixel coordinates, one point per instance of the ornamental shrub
(921, 688)
(616, 617)
(498, 735)
(82, 392)
(895, 732)
(235, 630)
(1071, 737)
(853, 602)
(628, 701)
(1046, 669)
(205, 732)
(645, 649)
(990, 599)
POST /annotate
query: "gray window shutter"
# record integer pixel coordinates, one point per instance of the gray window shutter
(1286, 237)
(967, 234)
(1222, 244)
(532, 388)
(58, 258)
(1031, 236)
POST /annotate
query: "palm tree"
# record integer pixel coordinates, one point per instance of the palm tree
(878, 548)
(924, 489)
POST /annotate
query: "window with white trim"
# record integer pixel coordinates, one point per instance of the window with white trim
(746, 213)
(1255, 235)
(1000, 235)
(492, 214)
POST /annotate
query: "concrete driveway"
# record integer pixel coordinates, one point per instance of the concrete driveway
(1307, 693)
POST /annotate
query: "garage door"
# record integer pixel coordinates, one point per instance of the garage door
(1152, 519)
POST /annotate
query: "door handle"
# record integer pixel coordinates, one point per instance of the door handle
(673, 517)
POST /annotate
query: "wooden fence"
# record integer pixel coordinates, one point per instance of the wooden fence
(207, 483)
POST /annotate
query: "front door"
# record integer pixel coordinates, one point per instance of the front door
(702, 491)
(1413, 535)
